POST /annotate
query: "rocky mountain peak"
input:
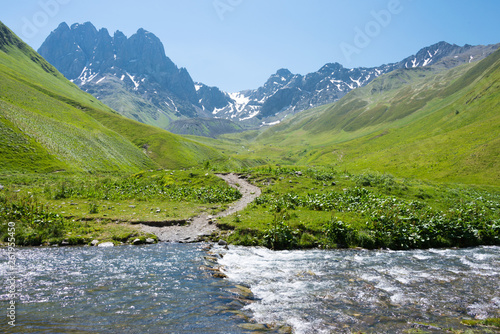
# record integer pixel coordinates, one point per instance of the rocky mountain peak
(90, 57)
(152, 89)
(331, 67)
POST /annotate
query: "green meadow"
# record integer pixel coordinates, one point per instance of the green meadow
(326, 207)
(409, 161)
(77, 208)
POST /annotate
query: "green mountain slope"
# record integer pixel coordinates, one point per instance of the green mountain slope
(207, 127)
(423, 123)
(47, 123)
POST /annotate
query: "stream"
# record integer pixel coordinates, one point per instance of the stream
(163, 289)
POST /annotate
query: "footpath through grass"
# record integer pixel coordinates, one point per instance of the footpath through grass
(322, 207)
(72, 209)
(299, 208)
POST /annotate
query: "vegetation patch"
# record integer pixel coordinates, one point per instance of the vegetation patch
(313, 207)
(71, 209)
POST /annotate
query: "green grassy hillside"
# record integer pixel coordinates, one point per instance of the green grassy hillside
(208, 127)
(47, 123)
(420, 123)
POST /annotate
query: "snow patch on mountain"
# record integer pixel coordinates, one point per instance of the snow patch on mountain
(136, 83)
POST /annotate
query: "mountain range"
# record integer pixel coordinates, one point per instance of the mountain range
(135, 77)
(417, 123)
(434, 122)
(48, 124)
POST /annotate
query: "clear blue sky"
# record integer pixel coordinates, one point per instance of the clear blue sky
(238, 44)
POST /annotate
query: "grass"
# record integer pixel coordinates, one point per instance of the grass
(409, 161)
(77, 208)
(299, 208)
(64, 128)
(408, 123)
(311, 207)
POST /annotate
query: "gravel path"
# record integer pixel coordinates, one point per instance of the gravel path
(203, 225)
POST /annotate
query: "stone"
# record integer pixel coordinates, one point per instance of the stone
(131, 206)
(136, 242)
(254, 327)
(106, 244)
(1, 187)
(298, 173)
(244, 292)
(150, 241)
(65, 243)
(206, 248)
(94, 242)
(222, 242)
(218, 274)
(211, 259)
(158, 211)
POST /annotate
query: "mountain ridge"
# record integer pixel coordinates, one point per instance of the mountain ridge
(425, 124)
(48, 124)
(149, 87)
(286, 93)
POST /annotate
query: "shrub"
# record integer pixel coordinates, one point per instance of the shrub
(340, 233)
(280, 236)
(34, 222)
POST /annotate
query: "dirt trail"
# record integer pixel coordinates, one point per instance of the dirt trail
(202, 225)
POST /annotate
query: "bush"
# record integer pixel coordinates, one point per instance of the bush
(280, 236)
(34, 222)
(307, 240)
(340, 233)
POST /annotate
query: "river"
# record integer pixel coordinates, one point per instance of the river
(163, 289)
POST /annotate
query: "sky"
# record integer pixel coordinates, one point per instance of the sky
(237, 44)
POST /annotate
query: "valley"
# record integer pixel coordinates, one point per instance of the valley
(417, 137)
(341, 200)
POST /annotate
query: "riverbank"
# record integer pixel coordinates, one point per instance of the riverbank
(272, 206)
(327, 208)
(205, 224)
(75, 209)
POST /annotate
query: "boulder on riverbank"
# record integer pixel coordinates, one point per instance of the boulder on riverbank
(106, 244)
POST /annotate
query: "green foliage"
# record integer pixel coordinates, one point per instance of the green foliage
(280, 236)
(33, 222)
(340, 233)
(93, 208)
(144, 188)
(385, 181)
(490, 322)
(388, 213)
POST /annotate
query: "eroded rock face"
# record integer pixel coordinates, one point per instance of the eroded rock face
(95, 61)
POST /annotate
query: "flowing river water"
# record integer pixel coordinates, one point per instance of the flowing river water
(163, 288)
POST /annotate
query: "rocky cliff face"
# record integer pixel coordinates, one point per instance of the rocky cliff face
(135, 77)
(286, 93)
(100, 64)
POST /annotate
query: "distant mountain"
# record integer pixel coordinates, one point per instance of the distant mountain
(418, 122)
(207, 127)
(48, 124)
(132, 75)
(286, 93)
(135, 77)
